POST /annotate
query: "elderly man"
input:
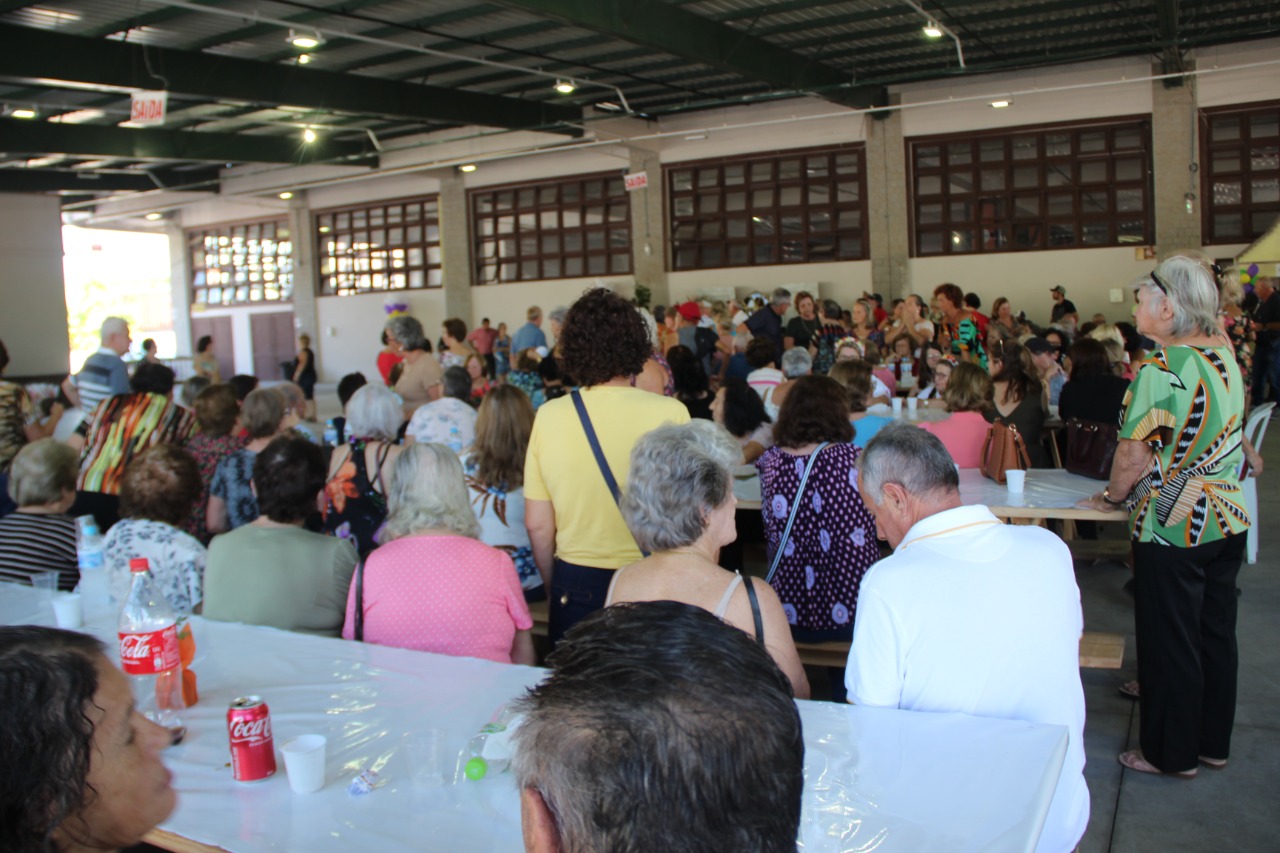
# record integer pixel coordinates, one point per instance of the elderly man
(530, 335)
(767, 322)
(104, 373)
(968, 614)
(617, 740)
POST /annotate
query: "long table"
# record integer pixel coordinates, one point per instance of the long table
(874, 779)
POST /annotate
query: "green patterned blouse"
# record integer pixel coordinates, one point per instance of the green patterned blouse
(1188, 404)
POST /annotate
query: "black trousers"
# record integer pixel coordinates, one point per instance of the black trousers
(1185, 606)
(576, 592)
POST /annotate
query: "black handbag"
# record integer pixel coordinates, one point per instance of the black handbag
(1091, 445)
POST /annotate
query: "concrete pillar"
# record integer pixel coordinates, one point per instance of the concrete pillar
(455, 248)
(648, 229)
(33, 302)
(887, 231)
(180, 287)
(1174, 125)
(306, 278)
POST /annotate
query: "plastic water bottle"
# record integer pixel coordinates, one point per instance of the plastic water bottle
(92, 560)
(149, 651)
(490, 750)
(330, 434)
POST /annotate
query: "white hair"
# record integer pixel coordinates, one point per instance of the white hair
(796, 362)
(372, 412)
(428, 490)
(114, 326)
(1191, 292)
(907, 455)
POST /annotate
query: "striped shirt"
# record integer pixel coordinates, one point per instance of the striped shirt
(31, 543)
(103, 375)
(121, 428)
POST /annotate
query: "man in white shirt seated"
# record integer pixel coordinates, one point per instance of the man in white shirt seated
(968, 614)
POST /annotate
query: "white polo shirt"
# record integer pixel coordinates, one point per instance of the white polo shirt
(974, 616)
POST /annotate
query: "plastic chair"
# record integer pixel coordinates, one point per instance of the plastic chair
(1255, 429)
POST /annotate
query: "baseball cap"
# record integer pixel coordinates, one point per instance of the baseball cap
(1057, 288)
(1038, 346)
(690, 311)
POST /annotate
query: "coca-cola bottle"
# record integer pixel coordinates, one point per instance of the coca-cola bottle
(149, 653)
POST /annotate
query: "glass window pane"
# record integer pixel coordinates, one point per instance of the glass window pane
(790, 196)
(766, 253)
(849, 247)
(1264, 191)
(928, 156)
(739, 254)
(735, 174)
(708, 176)
(959, 154)
(762, 198)
(927, 185)
(1224, 128)
(1225, 161)
(929, 243)
(1130, 231)
(709, 203)
(1026, 147)
(817, 167)
(1094, 234)
(847, 220)
(1129, 169)
(819, 193)
(1129, 201)
(1264, 125)
(1093, 202)
(1026, 206)
(1265, 157)
(1125, 138)
(929, 214)
(991, 150)
(847, 164)
(1062, 234)
(1093, 141)
(735, 201)
(819, 220)
(993, 179)
(736, 226)
(1093, 172)
(789, 170)
(962, 241)
(961, 182)
(1026, 177)
(1057, 145)
(761, 172)
(1226, 192)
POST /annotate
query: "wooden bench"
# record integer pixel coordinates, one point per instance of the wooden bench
(1097, 650)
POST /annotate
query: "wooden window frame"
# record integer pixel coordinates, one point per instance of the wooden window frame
(776, 188)
(1255, 201)
(1031, 188)
(222, 277)
(577, 227)
(390, 257)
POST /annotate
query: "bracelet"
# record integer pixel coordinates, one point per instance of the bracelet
(1106, 496)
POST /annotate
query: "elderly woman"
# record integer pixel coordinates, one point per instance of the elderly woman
(155, 499)
(40, 536)
(1175, 470)
(679, 505)
(741, 411)
(205, 362)
(804, 327)
(19, 424)
(958, 333)
(272, 572)
(232, 502)
(217, 412)
(968, 397)
(450, 420)
(816, 568)
(355, 505)
(90, 773)
(419, 381)
(856, 378)
(796, 362)
(433, 586)
(1021, 399)
(575, 529)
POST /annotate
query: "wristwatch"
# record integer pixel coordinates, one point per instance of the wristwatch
(1106, 496)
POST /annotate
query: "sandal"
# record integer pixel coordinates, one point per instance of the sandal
(1134, 761)
(1129, 689)
(1214, 763)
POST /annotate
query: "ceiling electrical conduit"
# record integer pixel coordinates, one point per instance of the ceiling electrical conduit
(574, 145)
(933, 19)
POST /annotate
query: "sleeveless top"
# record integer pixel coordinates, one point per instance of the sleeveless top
(721, 607)
(355, 507)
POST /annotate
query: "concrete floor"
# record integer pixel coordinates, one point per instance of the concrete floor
(1231, 810)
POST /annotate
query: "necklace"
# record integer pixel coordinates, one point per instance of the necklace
(948, 530)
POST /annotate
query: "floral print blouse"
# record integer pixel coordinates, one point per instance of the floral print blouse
(177, 561)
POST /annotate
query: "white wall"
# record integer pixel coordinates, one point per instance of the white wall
(33, 305)
(1237, 85)
(351, 327)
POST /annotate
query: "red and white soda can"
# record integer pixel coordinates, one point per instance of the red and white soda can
(253, 752)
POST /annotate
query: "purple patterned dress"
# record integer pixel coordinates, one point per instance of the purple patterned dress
(833, 540)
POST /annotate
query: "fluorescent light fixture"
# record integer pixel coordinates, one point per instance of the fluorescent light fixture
(1001, 103)
(304, 59)
(467, 167)
(325, 229)
(23, 112)
(932, 30)
(154, 216)
(694, 137)
(566, 87)
(286, 195)
(304, 40)
(308, 135)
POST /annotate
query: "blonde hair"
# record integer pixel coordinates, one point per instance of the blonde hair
(969, 389)
(262, 412)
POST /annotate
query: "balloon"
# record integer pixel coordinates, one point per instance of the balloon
(1253, 269)
(1245, 278)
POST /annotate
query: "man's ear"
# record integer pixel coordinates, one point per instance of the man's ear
(895, 497)
(537, 823)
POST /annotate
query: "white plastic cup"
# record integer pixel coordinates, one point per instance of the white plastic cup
(68, 611)
(896, 402)
(430, 763)
(304, 762)
(913, 405)
(1016, 480)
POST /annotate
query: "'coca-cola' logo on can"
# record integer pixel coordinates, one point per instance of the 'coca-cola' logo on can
(251, 730)
(149, 653)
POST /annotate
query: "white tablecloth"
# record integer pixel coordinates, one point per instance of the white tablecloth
(874, 779)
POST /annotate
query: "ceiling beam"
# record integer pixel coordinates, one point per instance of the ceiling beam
(43, 137)
(673, 30)
(32, 56)
(59, 180)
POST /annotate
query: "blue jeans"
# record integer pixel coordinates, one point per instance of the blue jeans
(576, 592)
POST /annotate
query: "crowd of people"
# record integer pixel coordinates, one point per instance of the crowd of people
(594, 470)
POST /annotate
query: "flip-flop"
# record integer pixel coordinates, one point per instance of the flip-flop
(1134, 761)
(1129, 689)
(1214, 763)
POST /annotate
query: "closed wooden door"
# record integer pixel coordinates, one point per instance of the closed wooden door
(218, 328)
(273, 341)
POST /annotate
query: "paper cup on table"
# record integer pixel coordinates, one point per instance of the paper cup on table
(304, 762)
(913, 405)
(1016, 480)
(68, 612)
(896, 402)
(431, 764)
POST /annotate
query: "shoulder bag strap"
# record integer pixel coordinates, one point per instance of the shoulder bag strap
(601, 462)
(381, 458)
(755, 609)
(358, 631)
(795, 507)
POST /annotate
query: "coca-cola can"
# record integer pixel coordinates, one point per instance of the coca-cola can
(253, 752)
